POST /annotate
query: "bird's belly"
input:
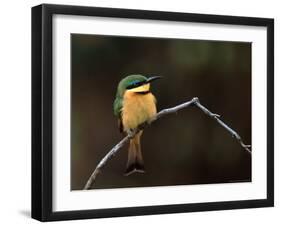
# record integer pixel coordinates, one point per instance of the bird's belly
(137, 109)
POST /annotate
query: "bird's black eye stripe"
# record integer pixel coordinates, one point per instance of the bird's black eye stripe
(135, 84)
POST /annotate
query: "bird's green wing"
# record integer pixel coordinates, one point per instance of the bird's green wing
(117, 108)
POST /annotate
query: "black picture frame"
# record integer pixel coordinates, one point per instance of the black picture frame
(42, 108)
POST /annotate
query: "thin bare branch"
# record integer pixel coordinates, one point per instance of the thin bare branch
(117, 147)
(231, 131)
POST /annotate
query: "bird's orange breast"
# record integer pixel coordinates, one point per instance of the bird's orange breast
(137, 109)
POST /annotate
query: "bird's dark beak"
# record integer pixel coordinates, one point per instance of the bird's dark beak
(151, 79)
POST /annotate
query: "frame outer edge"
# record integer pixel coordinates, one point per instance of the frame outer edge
(42, 112)
(47, 114)
(270, 112)
(36, 137)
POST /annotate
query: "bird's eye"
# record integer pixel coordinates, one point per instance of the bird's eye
(134, 83)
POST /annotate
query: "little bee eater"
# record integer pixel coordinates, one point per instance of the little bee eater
(134, 104)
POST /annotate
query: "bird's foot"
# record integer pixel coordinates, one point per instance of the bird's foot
(131, 132)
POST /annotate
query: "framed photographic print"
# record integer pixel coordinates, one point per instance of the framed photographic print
(145, 112)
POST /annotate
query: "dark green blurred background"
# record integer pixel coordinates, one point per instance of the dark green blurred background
(185, 148)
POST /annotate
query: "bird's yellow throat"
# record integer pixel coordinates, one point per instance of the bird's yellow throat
(139, 89)
(137, 108)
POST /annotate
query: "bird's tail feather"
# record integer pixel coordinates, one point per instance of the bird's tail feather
(135, 160)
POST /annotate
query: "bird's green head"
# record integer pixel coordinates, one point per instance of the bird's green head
(135, 83)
